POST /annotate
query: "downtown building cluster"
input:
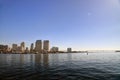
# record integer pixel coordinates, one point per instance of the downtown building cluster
(38, 47)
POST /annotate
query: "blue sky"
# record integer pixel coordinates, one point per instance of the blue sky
(80, 24)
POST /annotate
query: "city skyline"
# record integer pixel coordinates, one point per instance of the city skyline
(42, 46)
(38, 47)
(82, 25)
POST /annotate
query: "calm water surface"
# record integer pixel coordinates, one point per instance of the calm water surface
(67, 66)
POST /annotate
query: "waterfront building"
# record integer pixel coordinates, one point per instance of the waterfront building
(32, 48)
(14, 48)
(9, 49)
(54, 49)
(22, 47)
(38, 46)
(69, 49)
(46, 45)
(3, 48)
(19, 49)
(26, 50)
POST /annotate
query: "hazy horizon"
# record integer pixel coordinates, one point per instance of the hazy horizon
(79, 24)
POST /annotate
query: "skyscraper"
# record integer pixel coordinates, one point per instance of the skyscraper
(14, 48)
(69, 49)
(26, 50)
(32, 48)
(19, 49)
(22, 47)
(46, 45)
(38, 46)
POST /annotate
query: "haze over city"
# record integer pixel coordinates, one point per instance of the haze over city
(80, 24)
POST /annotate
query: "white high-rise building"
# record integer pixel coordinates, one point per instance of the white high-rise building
(22, 47)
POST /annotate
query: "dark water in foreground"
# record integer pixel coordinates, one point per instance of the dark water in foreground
(72, 66)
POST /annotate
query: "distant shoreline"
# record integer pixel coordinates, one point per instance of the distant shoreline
(61, 52)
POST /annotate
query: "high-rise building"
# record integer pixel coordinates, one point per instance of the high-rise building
(38, 46)
(3, 48)
(19, 49)
(69, 49)
(14, 48)
(32, 48)
(22, 47)
(46, 45)
(26, 50)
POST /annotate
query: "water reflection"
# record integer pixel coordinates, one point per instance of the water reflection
(42, 59)
(68, 66)
(32, 58)
(54, 58)
(45, 60)
(38, 58)
(21, 58)
(69, 56)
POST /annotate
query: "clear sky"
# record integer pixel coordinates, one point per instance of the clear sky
(80, 24)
